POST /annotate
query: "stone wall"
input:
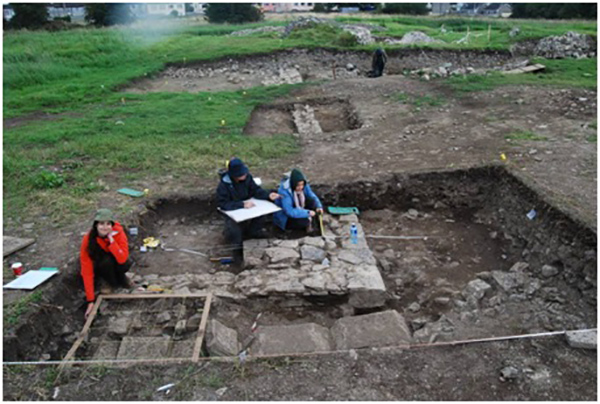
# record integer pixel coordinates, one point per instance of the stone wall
(314, 266)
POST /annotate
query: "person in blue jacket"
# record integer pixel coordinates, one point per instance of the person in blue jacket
(234, 191)
(298, 203)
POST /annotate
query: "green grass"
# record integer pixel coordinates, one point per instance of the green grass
(580, 73)
(149, 135)
(421, 100)
(592, 138)
(59, 71)
(13, 312)
(525, 135)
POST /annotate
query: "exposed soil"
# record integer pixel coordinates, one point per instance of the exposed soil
(385, 156)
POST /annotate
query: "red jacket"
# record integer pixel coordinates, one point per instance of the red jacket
(119, 249)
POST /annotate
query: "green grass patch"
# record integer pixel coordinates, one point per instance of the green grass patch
(594, 125)
(66, 163)
(424, 100)
(59, 71)
(592, 138)
(580, 73)
(13, 312)
(525, 135)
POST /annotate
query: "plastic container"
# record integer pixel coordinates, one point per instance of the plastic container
(17, 268)
(354, 234)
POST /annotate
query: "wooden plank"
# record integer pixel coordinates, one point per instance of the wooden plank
(202, 328)
(83, 333)
(153, 296)
(527, 69)
(12, 244)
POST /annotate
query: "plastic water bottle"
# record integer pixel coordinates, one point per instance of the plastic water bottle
(354, 233)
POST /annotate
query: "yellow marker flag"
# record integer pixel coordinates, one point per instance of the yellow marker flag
(222, 122)
(502, 156)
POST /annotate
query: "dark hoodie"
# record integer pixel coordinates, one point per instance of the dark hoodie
(231, 195)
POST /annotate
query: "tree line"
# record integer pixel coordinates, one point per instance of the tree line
(35, 15)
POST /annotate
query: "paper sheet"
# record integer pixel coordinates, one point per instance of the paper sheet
(261, 208)
(30, 279)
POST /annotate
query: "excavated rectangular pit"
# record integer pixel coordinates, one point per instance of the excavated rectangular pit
(457, 253)
(305, 117)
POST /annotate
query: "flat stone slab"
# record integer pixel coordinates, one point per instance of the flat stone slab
(292, 339)
(143, 348)
(13, 244)
(278, 254)
(387, 328)
(583, 339)
(221, 340)
(183, 349)
(107, 350)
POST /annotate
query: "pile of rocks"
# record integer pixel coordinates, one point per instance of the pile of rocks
(569, 45)
(246, 32)
(415, 37)
(572, 44)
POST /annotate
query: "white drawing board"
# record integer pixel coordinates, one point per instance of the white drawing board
(30, 280)
(260, 208)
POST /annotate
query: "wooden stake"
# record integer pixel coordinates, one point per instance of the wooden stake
(82, 334)
(202, 329)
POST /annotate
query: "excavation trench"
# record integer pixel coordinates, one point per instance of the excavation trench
(441, 256)
(304, 65)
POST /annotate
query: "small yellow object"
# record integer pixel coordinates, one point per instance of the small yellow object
(243, 92)
(151, 242)
(503, 156)
(123, 100)
(222, 122)
(146, 192)
(155, 288)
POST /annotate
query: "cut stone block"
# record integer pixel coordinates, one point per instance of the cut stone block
(583, 339)
(278, 254)
(221, 340)
(382, 329)
(366, 287)
(314, 241)
(107, 350)
(183, 349)
(143, 347)
(291, 339)
(312, 253)
(117, 326)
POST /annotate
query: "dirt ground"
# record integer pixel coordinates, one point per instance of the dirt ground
(389, 134)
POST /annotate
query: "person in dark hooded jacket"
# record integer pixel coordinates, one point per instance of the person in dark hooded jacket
(298, 203)
(234, 191)
(378, 63)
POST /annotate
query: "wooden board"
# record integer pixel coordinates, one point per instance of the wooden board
(84, 331)
(527, 69)
(202, 328)
(12, 244)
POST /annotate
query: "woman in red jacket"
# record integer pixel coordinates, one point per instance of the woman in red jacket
(104, 253)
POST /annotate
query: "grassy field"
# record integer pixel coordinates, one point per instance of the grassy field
(103, 135)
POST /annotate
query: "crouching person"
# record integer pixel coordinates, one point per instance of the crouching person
(104, 255)
(234, 191)
(298, 202)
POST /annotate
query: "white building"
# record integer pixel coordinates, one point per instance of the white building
(158, 9)
(286, 7)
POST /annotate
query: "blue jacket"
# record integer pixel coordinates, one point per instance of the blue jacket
(286, 203)
(231, 196)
